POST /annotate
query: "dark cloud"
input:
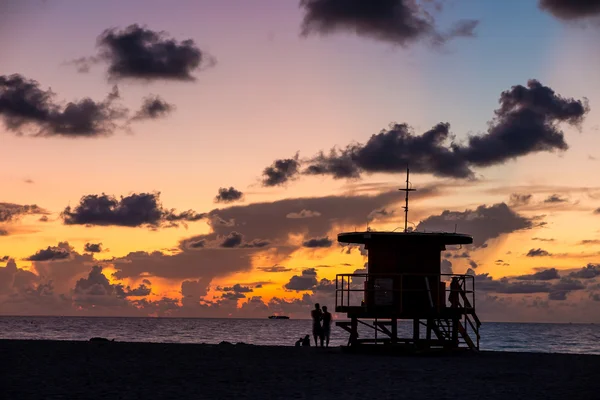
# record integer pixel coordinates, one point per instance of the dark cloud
(484, 223)
(142, 290)
(44, 218)
(237, 288)
(392, 150)
(543, 239)
(306, 281)
(304, 214)
(590, 271)
(228, 195)
(93, 247)
(23, 104)
(96, 290)
(473, 264)
(538, 253)
(142, 209)
(196, 244)
(153, 107)
(52, 253)
(597, 211)
(318, 242)
(545, 275)
(274, 268)
(525, 123)
(281, 171)
(555, 198)
(96, 284)
(556, 291)
(589, 242)
(571, 9)
(10, 212)
(4, 258)
(193, 291)
(140, 53)
(401, 22)
(3, 232)
(518, 199)
(236, 239)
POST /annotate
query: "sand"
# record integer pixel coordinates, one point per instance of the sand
(113, 370)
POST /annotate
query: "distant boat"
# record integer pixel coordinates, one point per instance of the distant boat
(279, 317)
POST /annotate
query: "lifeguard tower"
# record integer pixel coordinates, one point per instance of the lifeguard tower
(404, 281)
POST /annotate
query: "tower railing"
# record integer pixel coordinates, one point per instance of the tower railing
(362, 290)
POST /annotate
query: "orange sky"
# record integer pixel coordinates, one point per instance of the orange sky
(271, 94)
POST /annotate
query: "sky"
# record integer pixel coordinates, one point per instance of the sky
(199, 158)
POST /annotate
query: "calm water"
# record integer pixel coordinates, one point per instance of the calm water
(556, 338)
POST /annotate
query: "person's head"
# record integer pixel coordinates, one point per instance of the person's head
(325, 308)
(317, 306)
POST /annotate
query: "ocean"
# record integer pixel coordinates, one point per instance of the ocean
(545, 338)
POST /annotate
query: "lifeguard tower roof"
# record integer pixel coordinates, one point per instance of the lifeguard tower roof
(400, 238)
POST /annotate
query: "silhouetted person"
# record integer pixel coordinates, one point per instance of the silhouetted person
(454, 292)
(306, 341)
(316, 315)
(298, 342)
(326, 326)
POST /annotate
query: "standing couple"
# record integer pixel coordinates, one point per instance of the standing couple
(321, 331)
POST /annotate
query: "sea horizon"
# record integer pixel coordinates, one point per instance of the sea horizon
(574, 338)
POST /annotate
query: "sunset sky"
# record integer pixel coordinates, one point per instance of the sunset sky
(175, 158)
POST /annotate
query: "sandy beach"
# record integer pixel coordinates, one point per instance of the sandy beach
(101, 370)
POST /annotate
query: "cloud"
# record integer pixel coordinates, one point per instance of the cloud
(317, 242)
(526, 123)
(93, 247)
(483, 223)
(140, 53)
(52, 253)
(96, 290)
(230, 195)
(235, 239)
(274, 268)
(597, 211)
(135, 210)
(237, 288)
(281, 171)
(537, 253)
(24, 104)
(571, 9)
(269, 221)
(589, 242)
(544, 275)
(518, 199)
(392, 150)
(306, 281)
(304, 214)
(401, 22)
(590, 271)
(153, 107)
(555, 198)
(543, 239)
(10, 212)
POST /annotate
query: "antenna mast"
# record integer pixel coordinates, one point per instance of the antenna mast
(407, 189)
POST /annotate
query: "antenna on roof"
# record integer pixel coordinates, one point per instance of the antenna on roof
(407, 189)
